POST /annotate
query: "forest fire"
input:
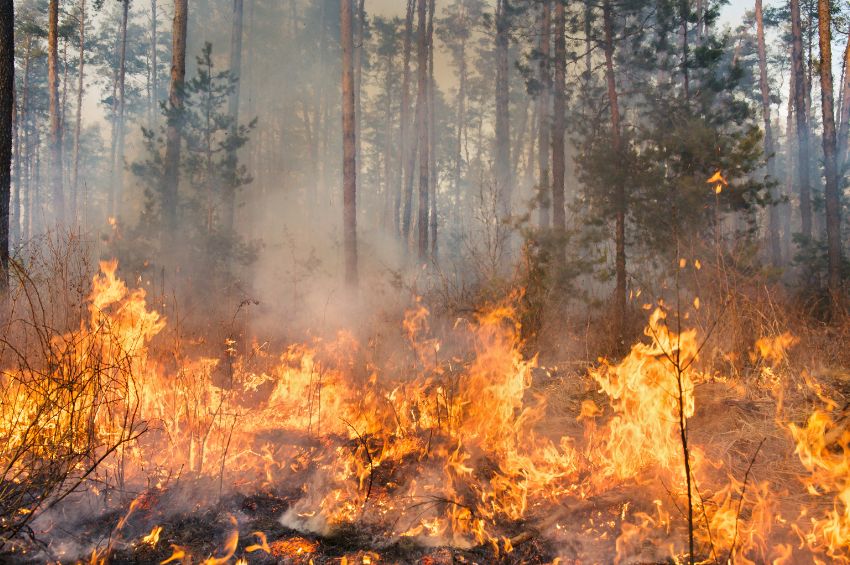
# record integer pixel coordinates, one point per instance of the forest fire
(424, 281)
(444, 450)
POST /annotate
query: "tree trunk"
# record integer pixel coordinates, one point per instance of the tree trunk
(359, 34)
(389, 154)
(118, 165)
(461, 116)
(75, 175)
(7, 105)
(422, 119)
(790, 171)
(432, 134)
(802, 123)
(407, 150)
(233, 107)
(171, 167)
(831, 193)
(55, 126)
(503, 127)
(543, 189)
(844, 120)
(684, 10)
(154, 81)
(349, 166)
(619, 189)
(773, 212)
(559, 218)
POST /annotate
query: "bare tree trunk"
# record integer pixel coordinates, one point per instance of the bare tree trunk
(233, 106)
(75, 182)
(349, 166)
(55, 126)
(460, 115)
(831, 193)
(619, 189)
(773, 212)
(389, 154)
(25, 184)
(432, 134)
(171, 176)
(790, 171)
(559, 218)
(684, 10)
(504, 182)
(118, 165)
(152, 103)
(802, 121)
(7, 108)
(15, 210)
(844, 120)
(407, 149)
(422, 119)
(359, 34)
(543, 129)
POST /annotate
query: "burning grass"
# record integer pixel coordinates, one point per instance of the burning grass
(451, 447)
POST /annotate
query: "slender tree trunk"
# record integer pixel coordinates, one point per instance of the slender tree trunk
(432, 134)
(619, 189)
(422, 119)
(55, 126)
(684, 11)
(7, 108)
(773, 212)
(75, 183)
(25, 182)
(790, 171)
(460, 114)
(543, 129)
(359, 34)
(559, 218)
(389, 154)
(152, 103)
(233, 107)
(349, 166)
(171, 176)
(831, 193)
(407, 150)
(118, 165)
(802, 121)
(15, 210)
(844, 120)
(504, 183)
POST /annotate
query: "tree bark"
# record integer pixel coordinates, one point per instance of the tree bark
(7, 106)
(460, 112)
(503, 127)
(55, 125)
(359, 34)
(844, 120)
(118, 163)
(171, 172)
(432, 135)
(233, 106)
(831, 193)
(152, 103)
(802, 121)
(405, 169)
(559, 218)
(349, 166)
(773, 212)
(543, 129)
(619, 189)
(75, 175)
(422, 119)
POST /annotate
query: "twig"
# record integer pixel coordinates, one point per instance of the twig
(741, 500)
